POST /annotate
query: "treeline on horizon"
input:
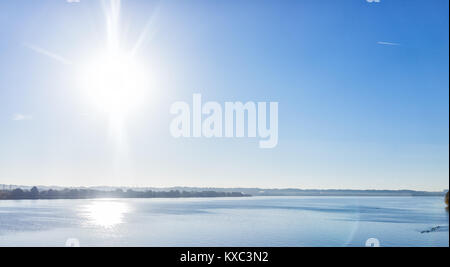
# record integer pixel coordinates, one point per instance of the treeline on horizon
(34, 193)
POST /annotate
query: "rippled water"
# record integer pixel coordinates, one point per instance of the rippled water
(256, 221)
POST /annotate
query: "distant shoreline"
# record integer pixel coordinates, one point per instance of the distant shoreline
(35, 194)
(54, 192)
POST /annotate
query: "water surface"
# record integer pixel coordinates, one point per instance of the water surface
(255, 221)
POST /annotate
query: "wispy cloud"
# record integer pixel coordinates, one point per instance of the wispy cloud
(73, 1)
(373, 1)
(48, 54)
(388, 43)
(21, 117)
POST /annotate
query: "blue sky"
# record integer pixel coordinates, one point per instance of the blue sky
(362, 91)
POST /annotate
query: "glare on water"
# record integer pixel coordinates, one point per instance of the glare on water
(106, 213)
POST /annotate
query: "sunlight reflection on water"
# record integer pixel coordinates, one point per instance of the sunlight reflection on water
(106, 213)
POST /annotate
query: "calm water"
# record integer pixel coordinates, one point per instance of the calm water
(256, 221)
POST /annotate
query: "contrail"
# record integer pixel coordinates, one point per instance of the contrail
(388, 43)
(48, 54)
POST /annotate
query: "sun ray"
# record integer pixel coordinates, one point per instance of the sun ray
(116, 84)
(49, 54)
(148, 30)
(113, 25)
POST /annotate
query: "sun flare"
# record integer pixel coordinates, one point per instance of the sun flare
(115, 84)
(113, 79)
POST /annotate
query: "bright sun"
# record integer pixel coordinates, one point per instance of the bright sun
(115, 83)
(112, 80)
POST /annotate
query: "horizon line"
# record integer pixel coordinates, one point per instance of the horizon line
(218, 187)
